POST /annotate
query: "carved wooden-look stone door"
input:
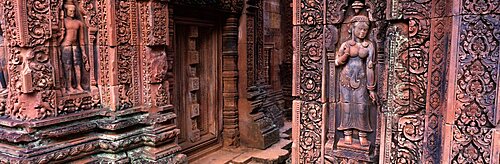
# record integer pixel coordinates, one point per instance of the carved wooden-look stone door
(197, 78)
(396, 81)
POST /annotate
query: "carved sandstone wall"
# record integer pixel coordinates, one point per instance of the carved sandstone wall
(437, 81)
(91, 81)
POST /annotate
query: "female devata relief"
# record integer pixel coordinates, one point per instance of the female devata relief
(355, 89)
(357, 82)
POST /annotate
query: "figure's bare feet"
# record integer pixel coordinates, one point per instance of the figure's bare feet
(348, 140)
(363, 141)
(79, 88)
(71, 90)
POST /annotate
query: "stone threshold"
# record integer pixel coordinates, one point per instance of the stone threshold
(276, 154)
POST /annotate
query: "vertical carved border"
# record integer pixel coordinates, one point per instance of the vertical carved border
(308, 81)
(472, 122)
(407, 81)
(250, 31)
(103, 50)
(397, 79)
(436, 91)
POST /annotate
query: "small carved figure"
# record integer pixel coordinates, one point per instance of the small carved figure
(357, 81)
(73, 51)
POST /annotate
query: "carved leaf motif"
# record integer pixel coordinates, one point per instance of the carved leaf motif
(480, 6)
(311, 51)
(311, 12)
(477, 80)
(38, 14)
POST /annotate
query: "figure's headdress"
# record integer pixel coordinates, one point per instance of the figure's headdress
(360, 18)
(69, 4)
(355, 20)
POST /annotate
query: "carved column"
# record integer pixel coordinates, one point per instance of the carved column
(285, 74)
(230, 82)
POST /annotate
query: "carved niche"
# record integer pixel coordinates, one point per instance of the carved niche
(75, 56)
(352, 112)
(35, 61)
(316, 80)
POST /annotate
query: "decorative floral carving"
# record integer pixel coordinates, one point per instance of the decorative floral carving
(477, 75)
(159, 27)
(335, 11)
(73, 104)
(89, 12)
(103, 49)
(420, 9)
(11, 33)
(311, 51)
(42, 70)
(128, 75)
(436, 82)
(480, 6)
(476, 88)
(311, 12)
(38, 21)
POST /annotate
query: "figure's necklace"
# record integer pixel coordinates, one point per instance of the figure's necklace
(364, 44)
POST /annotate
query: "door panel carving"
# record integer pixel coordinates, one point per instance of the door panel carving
(198, 84)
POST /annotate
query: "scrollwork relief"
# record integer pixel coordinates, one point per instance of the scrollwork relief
(38, 21)
(476, 88)
(480, 7)
(311, 51)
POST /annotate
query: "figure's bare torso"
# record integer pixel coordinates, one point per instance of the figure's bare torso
(72, 28)
(358, 49)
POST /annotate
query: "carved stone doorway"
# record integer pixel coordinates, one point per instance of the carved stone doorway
(198, 95)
